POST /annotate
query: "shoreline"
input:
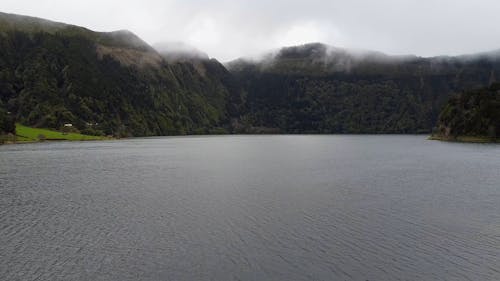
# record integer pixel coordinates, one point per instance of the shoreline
(458, 139)
(11, 142)
(54, 140)
(465, 139)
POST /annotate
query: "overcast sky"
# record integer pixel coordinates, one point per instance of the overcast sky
(230, 29)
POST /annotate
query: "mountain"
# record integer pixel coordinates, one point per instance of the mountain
(110, 83)
(114, 83)
(321, 89)
(471, 115)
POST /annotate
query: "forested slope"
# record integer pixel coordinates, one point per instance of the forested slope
(104, 83)
(320, 89)
(113, 83)
(473, 115)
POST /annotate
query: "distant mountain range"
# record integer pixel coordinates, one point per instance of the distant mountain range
(116, 84)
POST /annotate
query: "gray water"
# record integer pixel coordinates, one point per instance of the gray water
(250, 208)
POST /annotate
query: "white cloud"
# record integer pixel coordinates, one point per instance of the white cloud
(203, 32)
(228, 29)
(301, 33)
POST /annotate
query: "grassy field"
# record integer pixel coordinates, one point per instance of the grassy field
(29, 134)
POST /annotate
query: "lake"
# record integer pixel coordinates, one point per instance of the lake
(250, 208)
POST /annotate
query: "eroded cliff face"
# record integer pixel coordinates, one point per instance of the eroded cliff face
(130, 57)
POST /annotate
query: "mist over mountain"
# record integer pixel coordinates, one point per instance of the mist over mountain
(114, 83)
(322, 59)
(318, 88)
(178, 51)
(103, 83)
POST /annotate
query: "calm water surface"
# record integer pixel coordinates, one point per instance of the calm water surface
(250, 208)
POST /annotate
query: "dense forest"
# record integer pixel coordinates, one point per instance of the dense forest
(104, 83)
(115, 84)
(7, 125)
(473, 113)
(318, 89)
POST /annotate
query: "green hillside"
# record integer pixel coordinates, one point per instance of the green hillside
(52, 74)
(113, 83)
(320, 89)
(472, 116)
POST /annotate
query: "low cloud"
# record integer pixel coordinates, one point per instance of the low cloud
(229, 29)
